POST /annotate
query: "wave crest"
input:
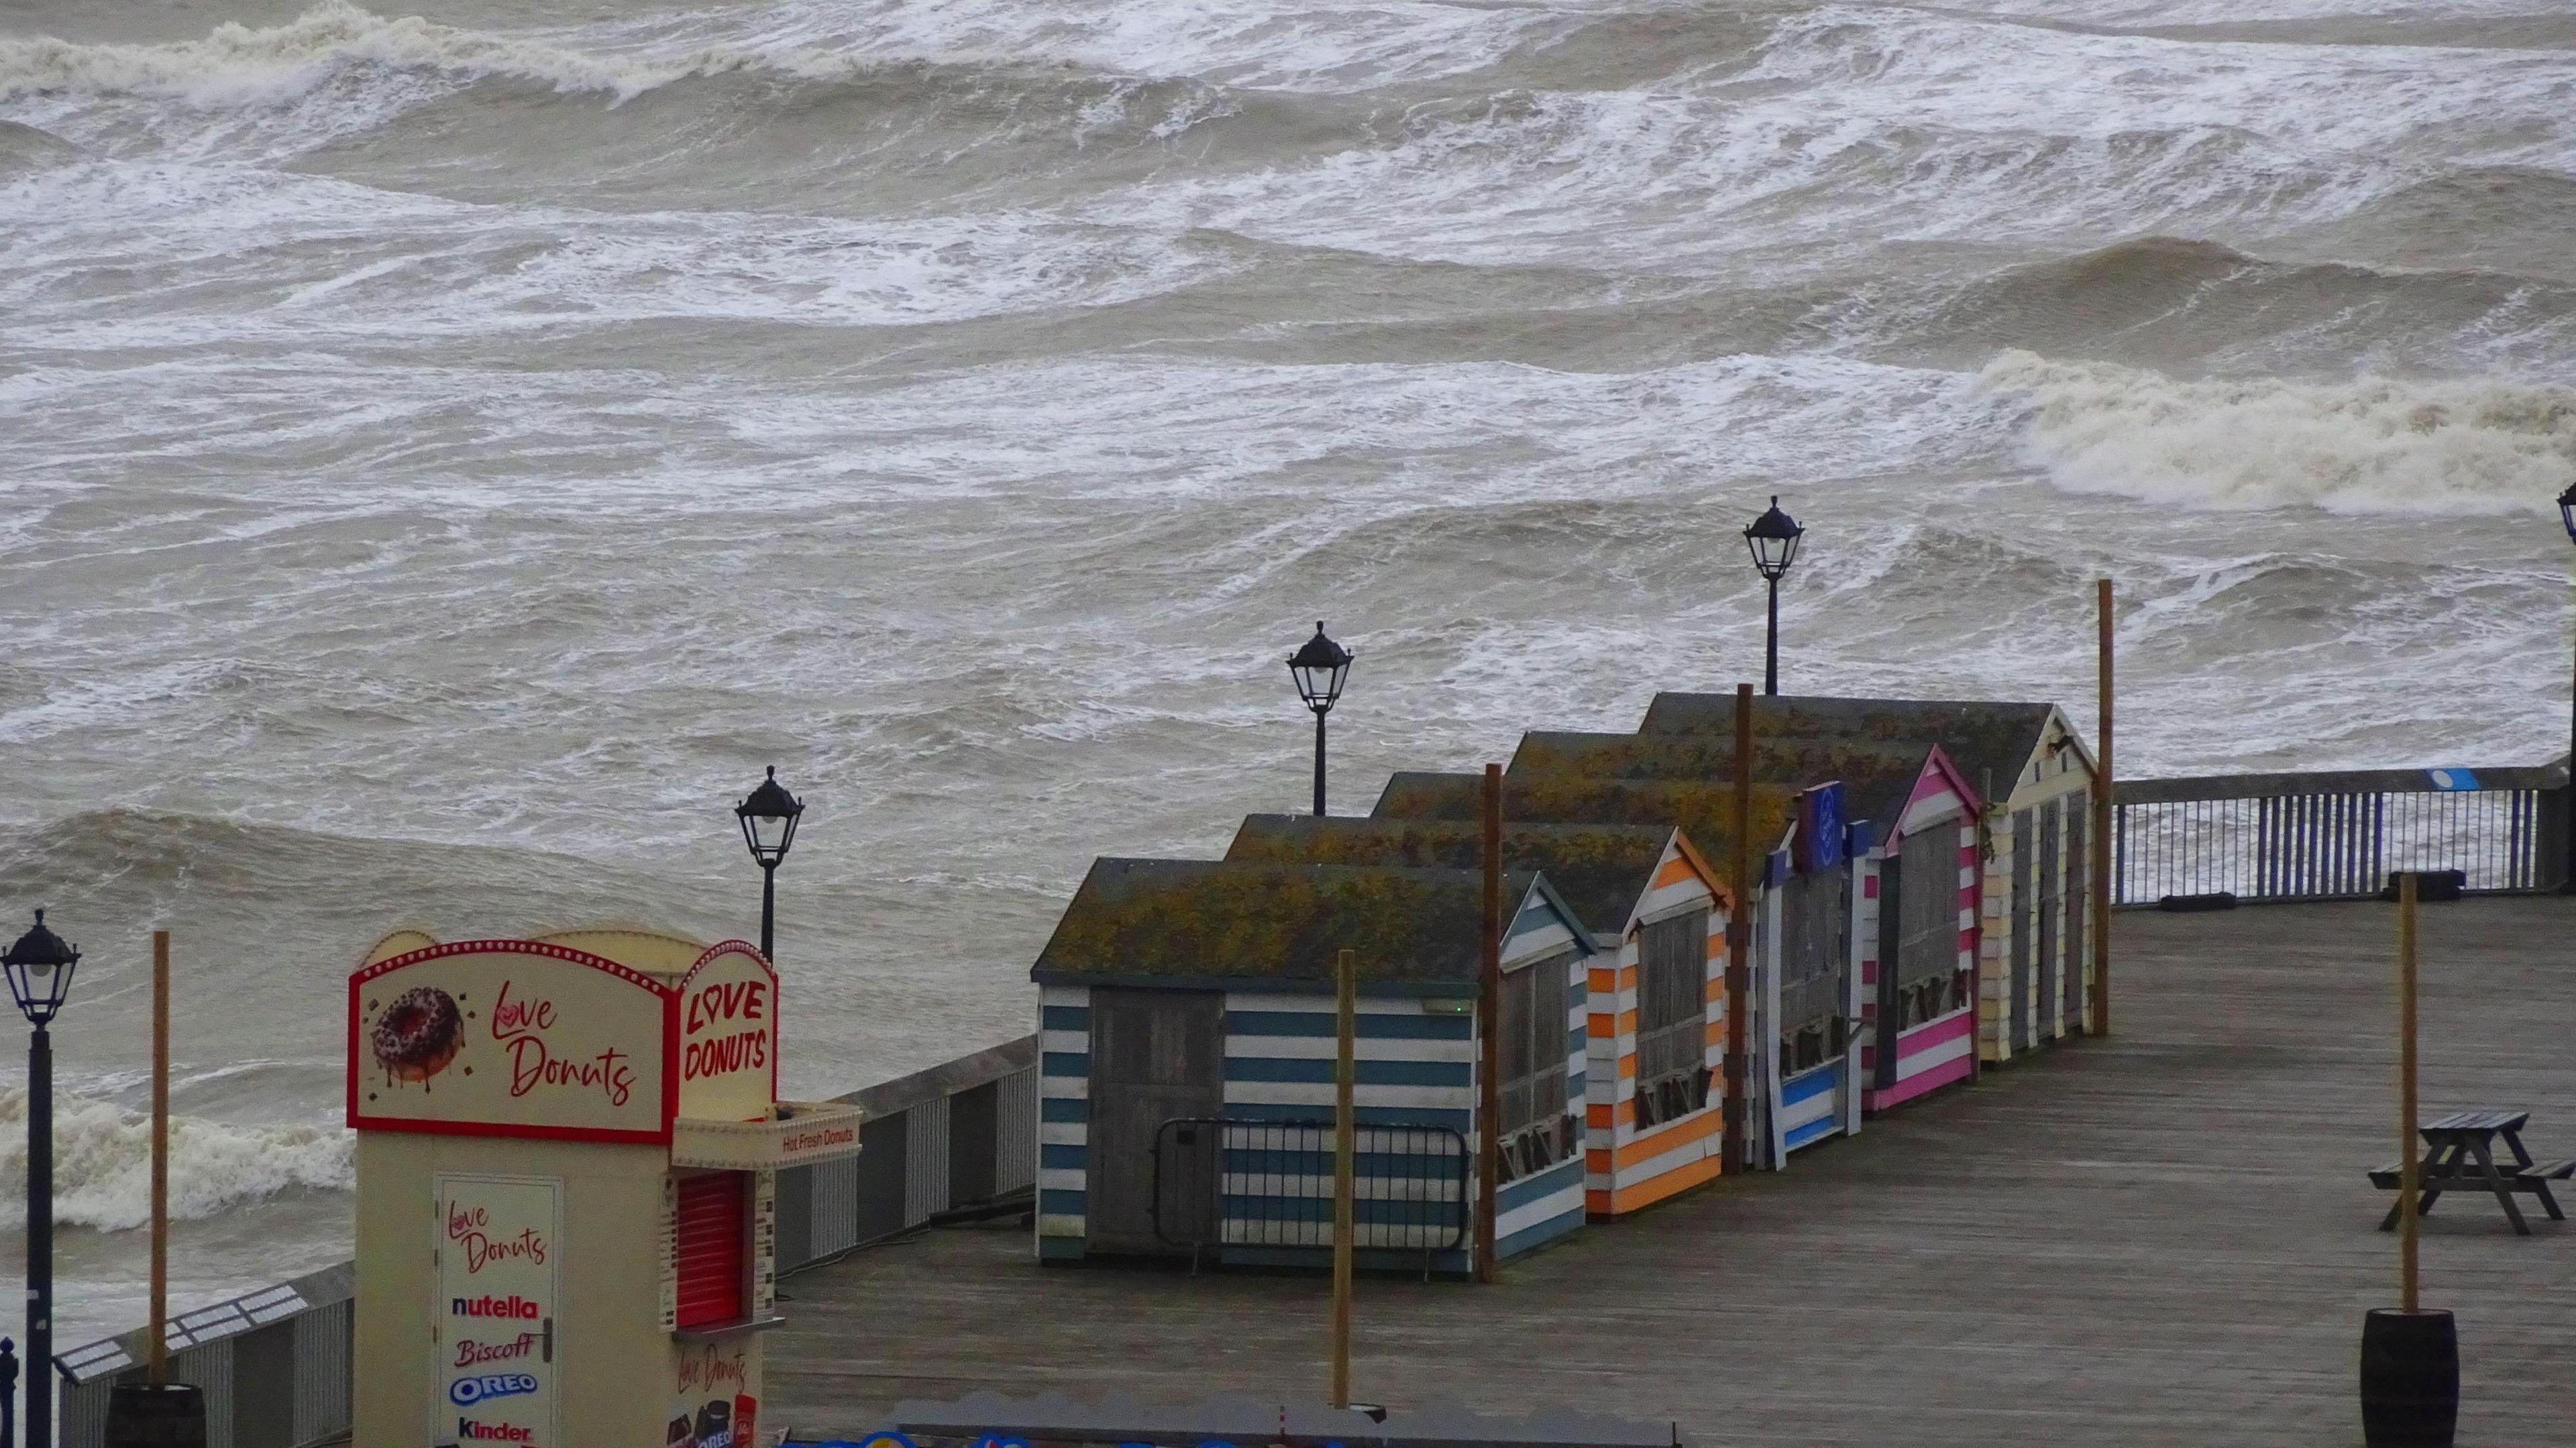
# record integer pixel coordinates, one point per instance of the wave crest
(2369, 445)
(238, 64)
(103, 1163)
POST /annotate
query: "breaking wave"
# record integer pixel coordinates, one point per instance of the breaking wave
(2368, 445)
(238, 63)
(103, 1163)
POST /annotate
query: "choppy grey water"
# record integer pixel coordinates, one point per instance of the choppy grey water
(444, 456)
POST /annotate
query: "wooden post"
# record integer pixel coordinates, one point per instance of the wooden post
(2103, 784)
(1489, 1003)
(2409, 1156)
(1739, 939)
(1346, 1022)
(160, 1329)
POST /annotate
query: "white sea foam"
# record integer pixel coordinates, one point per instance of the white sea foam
(1854, 126)
(283, 257)
(103, 1163)
(240, 64)
(2369, 445)
(1264, 43)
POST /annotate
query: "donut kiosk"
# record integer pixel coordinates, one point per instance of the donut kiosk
(567, 1148)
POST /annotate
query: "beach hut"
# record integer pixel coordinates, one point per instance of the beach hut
(1188, 1040)
(1802, 969)
(2034, 779)
(1655, 1023)
(1913, 835)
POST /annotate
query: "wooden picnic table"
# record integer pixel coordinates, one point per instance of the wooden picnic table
(2460, 1155)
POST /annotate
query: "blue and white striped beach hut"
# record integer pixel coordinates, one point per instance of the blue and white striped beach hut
(1187, 1080)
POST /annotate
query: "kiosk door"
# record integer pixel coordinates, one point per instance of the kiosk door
(494, 1340)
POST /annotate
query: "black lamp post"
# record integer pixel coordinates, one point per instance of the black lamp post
(40, 975)
(1319, 669)
(769, 827)
(1773, 537)
(2567, 515)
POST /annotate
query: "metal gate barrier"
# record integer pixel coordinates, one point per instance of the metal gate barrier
(1222, 1181)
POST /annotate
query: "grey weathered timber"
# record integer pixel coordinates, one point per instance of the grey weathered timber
(2025, 894)
(2079, 906)
(2047, 906)
(1155, 1056)
(274, 1365)
(2163, 1236)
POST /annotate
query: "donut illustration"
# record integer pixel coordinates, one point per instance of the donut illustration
(419, 1034)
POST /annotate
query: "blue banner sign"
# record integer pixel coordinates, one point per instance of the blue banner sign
(1820, 829)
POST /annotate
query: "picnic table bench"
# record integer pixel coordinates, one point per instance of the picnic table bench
(2460, 1156)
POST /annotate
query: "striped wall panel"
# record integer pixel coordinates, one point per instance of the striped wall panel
(1990, 920)
(1930, 1056)
(1064, 1115)
(1416, 1067)
(1626, 1168)
(1809, 1103)
(1868, 901)
(1942, 1050)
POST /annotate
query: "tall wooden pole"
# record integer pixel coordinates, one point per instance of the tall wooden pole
(160, 1329)
(1739, 939)
(2103, 785)
(1346, 1028)
(1489, 1002)
(2409, 1155)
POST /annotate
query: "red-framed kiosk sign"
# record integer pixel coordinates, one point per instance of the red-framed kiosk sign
(514, 1038)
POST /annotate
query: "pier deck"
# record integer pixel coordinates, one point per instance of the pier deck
(2160, 1238)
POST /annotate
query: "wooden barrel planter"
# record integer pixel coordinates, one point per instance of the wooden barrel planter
(140, 1415)
(2410, 1379)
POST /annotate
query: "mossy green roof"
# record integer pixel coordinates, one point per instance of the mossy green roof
(1877, 778)
(1221, 921)
(1989, 741)
(1602, 870)
(1704, 812)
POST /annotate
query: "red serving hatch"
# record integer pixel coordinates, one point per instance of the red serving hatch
(710, 1245)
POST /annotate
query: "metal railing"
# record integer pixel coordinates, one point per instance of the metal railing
(1231, 1182)
(274, 1364)
(2337, 836)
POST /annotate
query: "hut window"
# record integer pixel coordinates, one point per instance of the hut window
(1672, 1015)
(1927, 913)
(1531, 1051)
(1816, 929)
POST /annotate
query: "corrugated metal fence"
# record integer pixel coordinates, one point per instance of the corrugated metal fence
(2336, 836)
(274, 1363)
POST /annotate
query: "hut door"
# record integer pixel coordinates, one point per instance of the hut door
(2050, 904)
(2024, 856)
(1155, 1055)
(2079, 890)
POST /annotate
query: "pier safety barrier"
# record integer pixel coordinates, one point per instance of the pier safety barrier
(274, 1364)
(1231, 1182)
(2337, 835)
